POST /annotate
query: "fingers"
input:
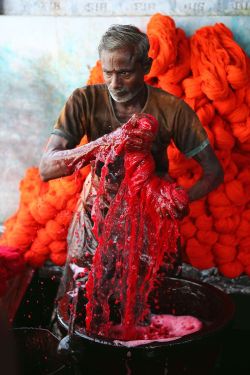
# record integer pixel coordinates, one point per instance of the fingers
(138, 140)
(137, 144)
(145, 135)
(141, 133)
(180, 199)
(164, 210)
(180, 213)
(171, 211)
(162, 213)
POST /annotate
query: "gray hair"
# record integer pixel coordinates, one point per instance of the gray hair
(120, 36)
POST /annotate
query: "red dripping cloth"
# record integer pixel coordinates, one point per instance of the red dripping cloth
(133, 236)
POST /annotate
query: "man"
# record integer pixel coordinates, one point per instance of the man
(101, 109)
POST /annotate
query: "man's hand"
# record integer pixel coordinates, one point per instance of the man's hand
(174, 205)
(139, 140)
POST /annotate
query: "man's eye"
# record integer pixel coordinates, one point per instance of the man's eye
(125, 74)
(107, 74)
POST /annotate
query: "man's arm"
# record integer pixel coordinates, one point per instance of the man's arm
(58, 161)
(50, 167)
(212, 174)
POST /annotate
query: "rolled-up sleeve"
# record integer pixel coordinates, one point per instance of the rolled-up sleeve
(71, 123)
(187, 132)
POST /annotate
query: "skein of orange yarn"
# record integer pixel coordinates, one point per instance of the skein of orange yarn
(96, 75)
(199, 256)
(170, 51)
(231, 269)
(224, 254)
(162, 36)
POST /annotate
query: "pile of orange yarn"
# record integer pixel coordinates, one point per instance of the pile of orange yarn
(39, 228)
(210, 71)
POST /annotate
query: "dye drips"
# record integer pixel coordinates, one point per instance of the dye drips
(135, 235)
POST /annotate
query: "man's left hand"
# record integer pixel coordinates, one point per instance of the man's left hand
(176, 206)
(139, 140)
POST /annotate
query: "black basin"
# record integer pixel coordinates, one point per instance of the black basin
(190, 355)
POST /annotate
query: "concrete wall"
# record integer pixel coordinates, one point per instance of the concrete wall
(43, 58)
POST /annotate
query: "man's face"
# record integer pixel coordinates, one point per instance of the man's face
(123, 74)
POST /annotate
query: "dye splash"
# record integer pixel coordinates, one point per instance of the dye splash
(134, 236)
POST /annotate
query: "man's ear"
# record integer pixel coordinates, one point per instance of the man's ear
(147, 65)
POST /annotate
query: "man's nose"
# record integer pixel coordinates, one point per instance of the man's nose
(115, 82)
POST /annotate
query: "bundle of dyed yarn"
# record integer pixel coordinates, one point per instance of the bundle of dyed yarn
(210, 71)
(133, 237)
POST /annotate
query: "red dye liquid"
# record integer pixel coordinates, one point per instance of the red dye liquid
(162, 328)
(133, 237)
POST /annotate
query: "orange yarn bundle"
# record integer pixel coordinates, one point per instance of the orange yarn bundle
(39, 229)
(201, 256)
(211, 73)
(162, 36)
(220, 71)
(170, 51)
(96, 75)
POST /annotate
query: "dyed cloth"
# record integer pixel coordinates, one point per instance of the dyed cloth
(133, 236)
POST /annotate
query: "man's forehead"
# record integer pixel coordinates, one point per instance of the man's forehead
(122, 57)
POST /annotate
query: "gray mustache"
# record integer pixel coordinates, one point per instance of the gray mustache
(118, 92)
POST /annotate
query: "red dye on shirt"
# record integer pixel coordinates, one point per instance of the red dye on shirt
(132, 236)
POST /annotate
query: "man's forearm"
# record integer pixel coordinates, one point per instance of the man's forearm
(212, 174)
(57, 163)
(204, 186)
